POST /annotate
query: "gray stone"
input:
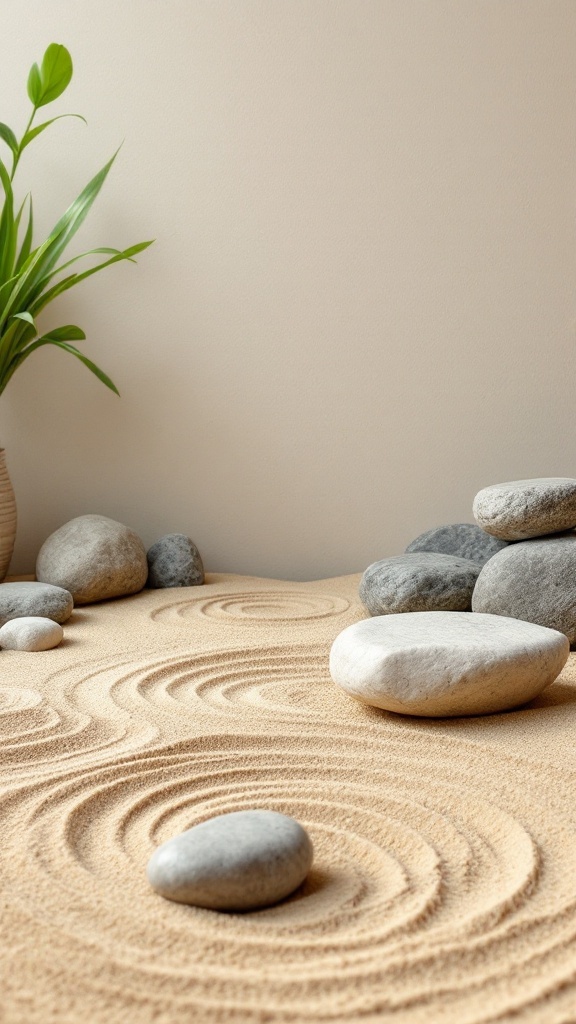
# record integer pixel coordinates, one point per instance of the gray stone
(438, 664)
(30, 633)
(418, 582)
(174, 561)
(238, 861)
(29, 598)
(465, 540)
(534, 580)
(94, 558)
(526, 508)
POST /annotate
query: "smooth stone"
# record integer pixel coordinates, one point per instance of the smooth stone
(174, 561)
(534, 580)
(238, 861)
(30, 633)
(94, 558)
(465, 540)
(441, 664)
(37, 599)
(527, 508)
(419, 582)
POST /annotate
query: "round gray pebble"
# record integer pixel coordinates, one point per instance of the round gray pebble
(419, 582)
(465, 540)
(31, 598)
(30, 633)
(174, 561)
(239, 861)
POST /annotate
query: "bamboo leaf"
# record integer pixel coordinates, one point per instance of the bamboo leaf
(7, 231)
(10, 139)
(34, 85)
(67, 333)
(42, 259)
(25, 316)
(55, 74)
(30, 135)
(27, 240)
(74, 279)
(49, 339)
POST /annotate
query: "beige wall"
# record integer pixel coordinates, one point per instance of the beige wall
(361, 304)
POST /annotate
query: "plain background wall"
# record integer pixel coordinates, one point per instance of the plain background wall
(361, 304)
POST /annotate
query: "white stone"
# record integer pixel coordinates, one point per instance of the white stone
(440, 664)
(238, 861)
(30, 633)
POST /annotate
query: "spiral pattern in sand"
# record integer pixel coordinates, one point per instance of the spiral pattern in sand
(442, 888)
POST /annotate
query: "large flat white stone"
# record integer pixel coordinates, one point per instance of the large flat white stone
(439, 664)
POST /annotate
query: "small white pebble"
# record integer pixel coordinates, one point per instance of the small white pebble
(30, 633)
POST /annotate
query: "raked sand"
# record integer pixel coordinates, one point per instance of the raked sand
(444, 883)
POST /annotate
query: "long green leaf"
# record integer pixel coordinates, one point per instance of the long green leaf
(6, 348)
(70, 332)
(50, 339)
(46, 255)
(4, 290)
(30, 135)
(74, 279)
(27, 240)
(7, 232)
(89, 252)
(18, 334)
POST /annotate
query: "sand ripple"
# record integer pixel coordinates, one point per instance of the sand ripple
(443, 886)
(265, 606)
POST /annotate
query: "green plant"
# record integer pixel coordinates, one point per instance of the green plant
(29, 276)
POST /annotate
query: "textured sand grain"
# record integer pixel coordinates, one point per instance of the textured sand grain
(444, 882)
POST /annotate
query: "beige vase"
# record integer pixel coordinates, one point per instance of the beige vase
(7, 517)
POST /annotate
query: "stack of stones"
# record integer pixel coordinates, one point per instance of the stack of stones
(90, 558)
(516, 569)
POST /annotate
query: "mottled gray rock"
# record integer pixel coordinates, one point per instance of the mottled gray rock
(526, 508)
(418, 582)
(438, 664)
(38, 599)
(174, 561)
(30, 633)
(534, 580)
(464, 540)
(94, 558)
(238, 861)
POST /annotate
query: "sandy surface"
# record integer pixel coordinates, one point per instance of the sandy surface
(444, 883)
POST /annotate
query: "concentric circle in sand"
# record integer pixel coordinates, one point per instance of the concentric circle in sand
(419, 896)
(261, 606)
(443, 886)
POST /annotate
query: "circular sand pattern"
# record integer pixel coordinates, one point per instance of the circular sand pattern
(81, 722)
(24, 713)
(443, 887)
(419, 898)
(263, 681)
(262, 606)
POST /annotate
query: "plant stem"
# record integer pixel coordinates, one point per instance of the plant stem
(18, 154)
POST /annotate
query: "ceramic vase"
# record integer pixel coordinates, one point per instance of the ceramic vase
(7, 517)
